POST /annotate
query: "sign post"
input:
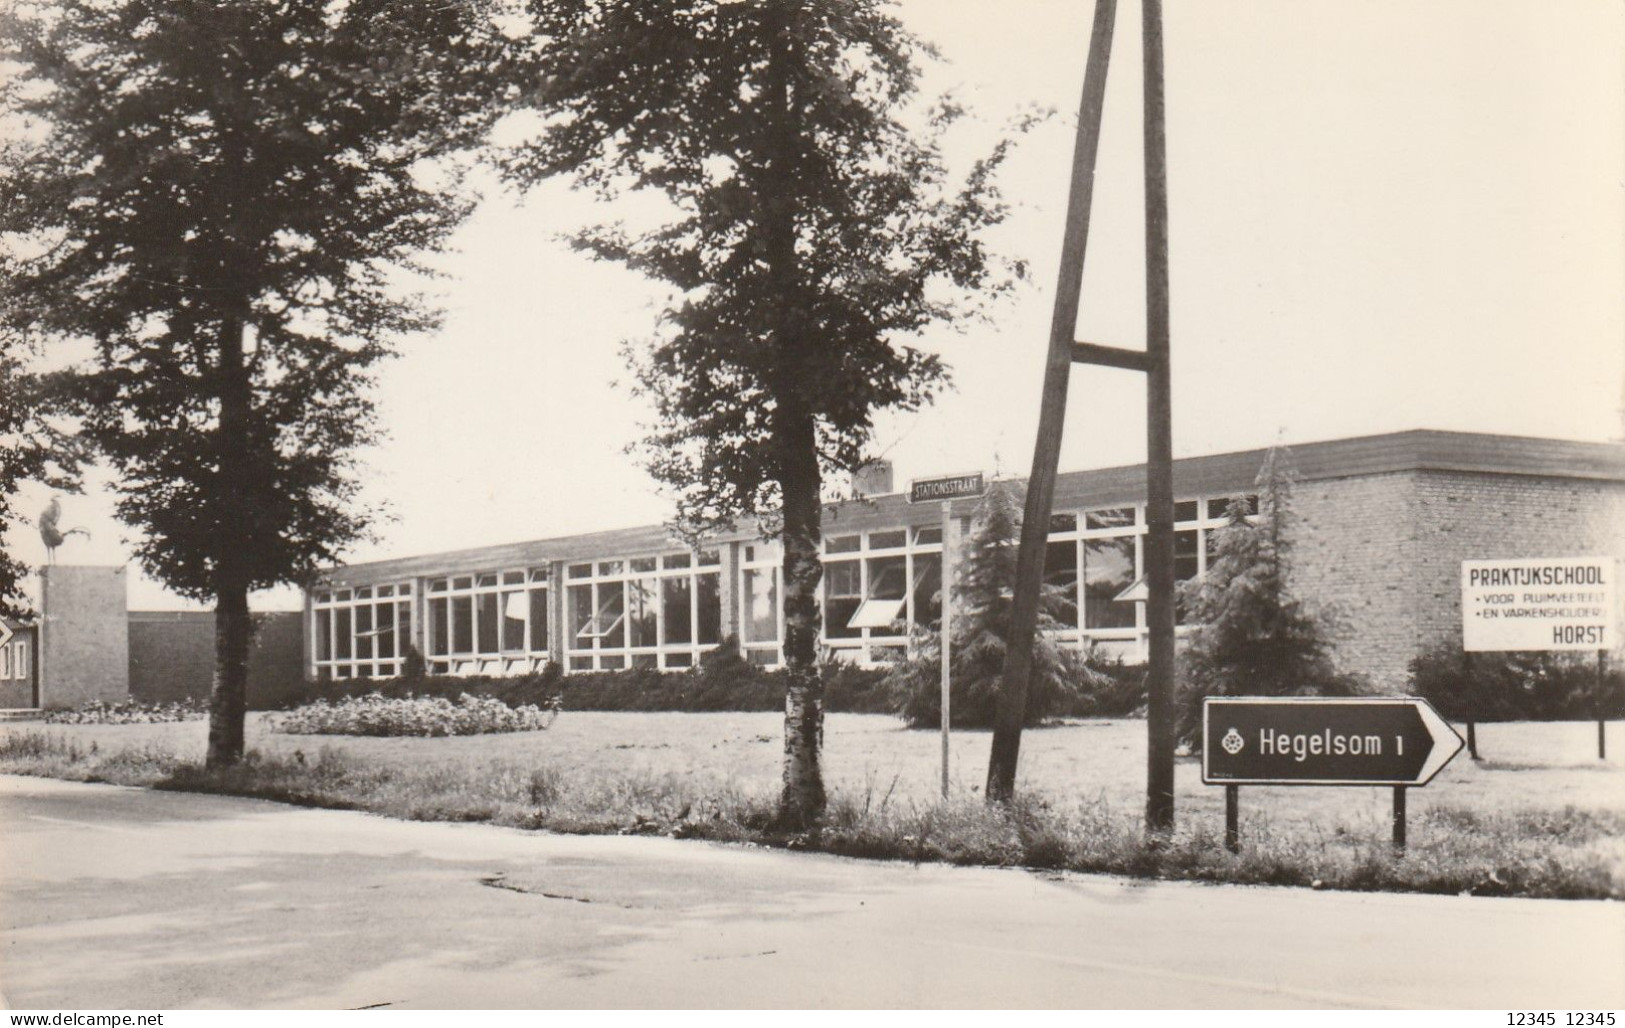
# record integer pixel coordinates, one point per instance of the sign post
(947, 490)
(1396, 741)
(1597, 698)
(1544, 604)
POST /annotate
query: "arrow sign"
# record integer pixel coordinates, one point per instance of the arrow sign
(1250, 740)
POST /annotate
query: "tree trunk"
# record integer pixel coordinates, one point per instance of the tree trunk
(795, 442)
(228, 702)
(803, 798)
(233, 628)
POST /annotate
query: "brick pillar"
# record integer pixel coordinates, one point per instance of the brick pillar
(728, 590)
(84, 636)
(420, 617)
(555, 616)
(307, 635)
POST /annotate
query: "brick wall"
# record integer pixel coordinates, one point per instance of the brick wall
(1383, 552)
(172, 657)
(1465, 517)
(1349, 539)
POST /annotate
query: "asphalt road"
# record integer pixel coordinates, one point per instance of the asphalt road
(124, 898)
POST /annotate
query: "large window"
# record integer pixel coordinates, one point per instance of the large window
(14, 660)
(361, 632)
(1110, 567)
(876, 586)
(492, 623)
(1107, 573)
(843, 594)
(1061, 578)
(643, 611)
(761, 616)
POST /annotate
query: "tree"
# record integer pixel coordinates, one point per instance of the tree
(214, 194)
(35, 447)
(811, 234)
(1251, 636)
(983, 610)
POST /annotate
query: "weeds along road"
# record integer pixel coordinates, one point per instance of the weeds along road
(123, 898)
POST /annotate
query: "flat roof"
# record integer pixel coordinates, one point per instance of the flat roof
(1213, 474)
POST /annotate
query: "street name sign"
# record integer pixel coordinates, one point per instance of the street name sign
(1255, 740)
(1534, 603)
(945, 490)
(954, 487)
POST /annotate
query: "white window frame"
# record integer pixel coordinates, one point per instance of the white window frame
(1134, 643)
(667, 564)
(504, 584)
(327, 603)
(876, 646)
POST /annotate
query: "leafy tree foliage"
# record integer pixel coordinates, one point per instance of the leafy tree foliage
(1252, 637)
(33, 447)
(983, 608)
(214, 195)
(812, 232)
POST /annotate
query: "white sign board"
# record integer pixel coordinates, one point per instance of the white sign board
(1533, 603)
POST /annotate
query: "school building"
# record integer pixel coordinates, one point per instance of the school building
(1382, 525)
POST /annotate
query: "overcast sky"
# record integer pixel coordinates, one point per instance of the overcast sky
(1385, 215)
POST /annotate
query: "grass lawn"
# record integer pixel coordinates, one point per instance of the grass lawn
(1540, 803)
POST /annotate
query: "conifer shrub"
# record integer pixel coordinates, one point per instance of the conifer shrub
(1111, 688)
(414, 668)
(983, 606)
(1250, 636)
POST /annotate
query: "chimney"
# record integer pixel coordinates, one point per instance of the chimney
(872, 479)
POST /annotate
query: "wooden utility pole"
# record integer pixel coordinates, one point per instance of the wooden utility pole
(1159, 507)
(1012, 711)
(1154, 361)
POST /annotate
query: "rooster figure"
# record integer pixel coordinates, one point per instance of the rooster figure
(51, 532)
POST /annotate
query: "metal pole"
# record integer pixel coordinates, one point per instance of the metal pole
(947, 629)
(1597, 700)
(1399, 818)
(1232, 818)
(1468, 699)
(1012, 710)
(1159, 799)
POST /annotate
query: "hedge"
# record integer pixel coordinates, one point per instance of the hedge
(723, 681)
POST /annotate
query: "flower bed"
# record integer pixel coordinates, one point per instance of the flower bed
(376, 714)
(99, 712)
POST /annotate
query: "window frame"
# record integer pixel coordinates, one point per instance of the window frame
(496, 585)
(586, 651)
(326, 608)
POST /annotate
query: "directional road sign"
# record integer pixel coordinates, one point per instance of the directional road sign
(953, 487)
(1253, 740)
